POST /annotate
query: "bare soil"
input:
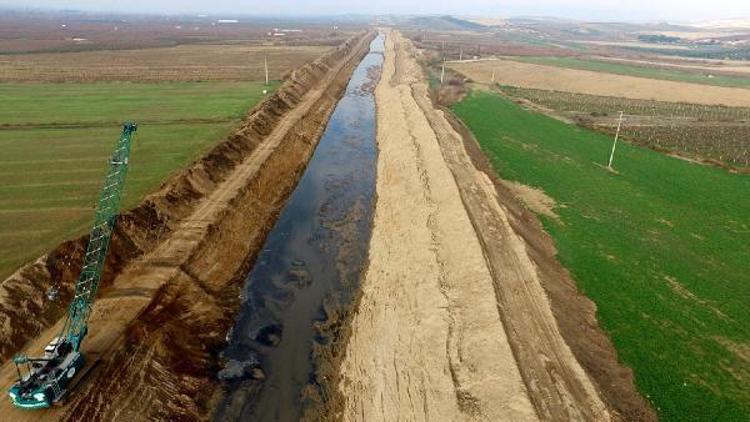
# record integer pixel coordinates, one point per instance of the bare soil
(535, 199)
(468, 44)
(427, 320)
(191, 62)
(27, 31)
(528, 75)
(172, 277)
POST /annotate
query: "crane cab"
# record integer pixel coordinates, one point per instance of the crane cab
(44, 381)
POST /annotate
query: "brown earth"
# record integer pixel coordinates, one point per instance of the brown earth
(427, 322)
(39, 31)
(527, 75)
(535, 199)
(468, 44)
(202, 62)
(473, 316)
(172, 276)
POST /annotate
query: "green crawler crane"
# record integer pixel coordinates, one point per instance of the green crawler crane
(47, 379)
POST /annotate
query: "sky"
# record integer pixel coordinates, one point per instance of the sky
(617, 10)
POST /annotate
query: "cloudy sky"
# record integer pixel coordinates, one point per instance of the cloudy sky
(651, 10)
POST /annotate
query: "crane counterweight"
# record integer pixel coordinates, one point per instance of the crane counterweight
(48, 378)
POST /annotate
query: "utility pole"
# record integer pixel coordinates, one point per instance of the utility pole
(265, 65)
(614, 145)
(442, 72)
(460, 54)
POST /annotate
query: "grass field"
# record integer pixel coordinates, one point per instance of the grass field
(640, 71)
(57, 137)
(662, 247)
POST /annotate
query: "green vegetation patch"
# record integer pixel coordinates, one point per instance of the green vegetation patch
(661, 246)
(110, 103)
(716, 52)
(56, 140)
(640, 71)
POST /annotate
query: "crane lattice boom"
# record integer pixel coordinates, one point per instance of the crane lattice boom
(96, 251)
(49, 378)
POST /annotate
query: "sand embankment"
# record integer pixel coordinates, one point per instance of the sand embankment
(456, 320)
(427, 341)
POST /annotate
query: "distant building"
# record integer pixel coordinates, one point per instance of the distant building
(227, 21)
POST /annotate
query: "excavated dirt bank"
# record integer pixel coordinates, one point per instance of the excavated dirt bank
(427, 341)
(175, 263)
(432, 361)
(574, 313)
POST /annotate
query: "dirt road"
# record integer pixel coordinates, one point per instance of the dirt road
(156, 323)
(453, 323)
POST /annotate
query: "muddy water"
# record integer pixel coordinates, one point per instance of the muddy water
(310, 263)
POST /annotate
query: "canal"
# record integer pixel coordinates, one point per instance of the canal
(311, 262)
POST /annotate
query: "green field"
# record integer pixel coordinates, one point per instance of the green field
(639, 71)
(55, 140)
(662, 247)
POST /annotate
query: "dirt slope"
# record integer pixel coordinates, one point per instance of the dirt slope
(575, 313)
(427, 320)
(508, 72)
(464, 328)
(172, 276)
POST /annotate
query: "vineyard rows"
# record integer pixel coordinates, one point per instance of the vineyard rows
(716, 133)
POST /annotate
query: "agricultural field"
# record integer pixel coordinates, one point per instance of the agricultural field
(454, 45)
(56, 138)
(707, 66)
(660, 245)
(43, 48)
(38, 31)
(717, 133)
(69, 80)
(704, 77)
(190, 62)
(529, 75)
(717, 53)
